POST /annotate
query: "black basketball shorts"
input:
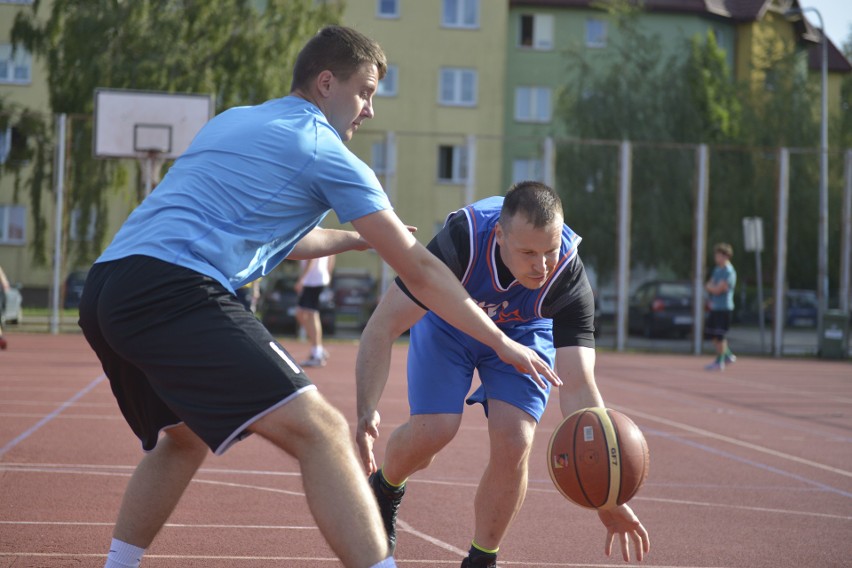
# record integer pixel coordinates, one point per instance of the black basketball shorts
(309, 298)
(718, 324)
(178, 347)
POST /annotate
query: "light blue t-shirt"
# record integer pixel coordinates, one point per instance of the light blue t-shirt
(254, 181)
(725, 300)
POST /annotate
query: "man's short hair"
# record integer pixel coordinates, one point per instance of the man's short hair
(724, 248)
(536, 201)
(340, 50)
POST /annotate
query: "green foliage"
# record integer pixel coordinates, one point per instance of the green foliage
(30, 146)
(667, 99)
(241, 51)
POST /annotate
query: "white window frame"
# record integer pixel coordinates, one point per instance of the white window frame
(5, 144)
(542, 32)
(457, 163)
(453, 94)
(379, 156)
(389, 86)
(387, 9)
(462, 14)
(13, 217)
(533, 104)
(74, 222)
(527, 169)
(596, 33)
(20, 62)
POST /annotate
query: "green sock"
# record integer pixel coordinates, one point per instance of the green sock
(477, 551)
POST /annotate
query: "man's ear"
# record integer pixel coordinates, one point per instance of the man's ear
(323, 82)
(498, 233)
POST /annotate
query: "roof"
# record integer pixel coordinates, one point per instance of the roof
(739, 11)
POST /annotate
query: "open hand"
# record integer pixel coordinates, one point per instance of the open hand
(622, 523)
(366, 434)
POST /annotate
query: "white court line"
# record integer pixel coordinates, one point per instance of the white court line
(430, 562)
(734, 441)
(167, 525)
(26, 434)
(84, 468)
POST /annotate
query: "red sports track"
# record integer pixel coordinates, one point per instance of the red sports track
(749, 468)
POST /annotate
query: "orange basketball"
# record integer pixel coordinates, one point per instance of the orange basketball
(598, 458)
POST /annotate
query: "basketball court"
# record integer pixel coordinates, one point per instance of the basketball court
(749, 468)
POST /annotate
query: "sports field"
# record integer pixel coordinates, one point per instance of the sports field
(749, 468)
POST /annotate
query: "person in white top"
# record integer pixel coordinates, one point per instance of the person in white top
(315, 276)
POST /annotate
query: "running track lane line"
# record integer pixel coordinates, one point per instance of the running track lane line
(734, 441)
(30, 431)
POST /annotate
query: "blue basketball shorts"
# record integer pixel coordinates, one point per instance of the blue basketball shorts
(442, 361)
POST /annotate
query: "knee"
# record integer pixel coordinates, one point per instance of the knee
(181, 439)
(305, 422)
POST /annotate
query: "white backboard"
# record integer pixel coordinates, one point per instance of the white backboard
(130, 124)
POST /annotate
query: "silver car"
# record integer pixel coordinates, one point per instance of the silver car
(12, 310)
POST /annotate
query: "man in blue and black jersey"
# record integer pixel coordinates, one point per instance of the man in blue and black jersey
(519, 262)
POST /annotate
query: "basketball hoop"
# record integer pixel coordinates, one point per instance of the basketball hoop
(151, 127)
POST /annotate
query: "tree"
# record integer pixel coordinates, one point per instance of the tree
(240, 51)
(663, 100)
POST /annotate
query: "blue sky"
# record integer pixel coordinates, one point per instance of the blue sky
(837, 15)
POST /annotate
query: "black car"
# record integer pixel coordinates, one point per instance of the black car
(661, 308)
(74, 289)
(355, 296)
(277, 306)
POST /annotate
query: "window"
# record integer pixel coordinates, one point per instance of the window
(5, 144)
(452, 164)
(457, 87)
(378, 157)
(13, 224)
(387, 8)
(536, 31)
(460, 13)
(523, 170)
(76, 231)
(388, 85)
(15, 68)
(532, 104)
(595, 33)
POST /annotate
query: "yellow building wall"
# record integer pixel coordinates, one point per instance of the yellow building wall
(16, 259)
(419, 46)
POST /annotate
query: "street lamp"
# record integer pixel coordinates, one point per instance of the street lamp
(822, 259)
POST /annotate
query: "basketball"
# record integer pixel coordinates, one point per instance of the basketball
(598, 458)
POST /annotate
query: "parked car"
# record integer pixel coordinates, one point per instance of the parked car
(277, 306)
(12, 312)
(355, 296)
(801, 309)
(661, 307)
(74, 288)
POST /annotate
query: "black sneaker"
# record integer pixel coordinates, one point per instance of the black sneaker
(389, 500)
(483, 561)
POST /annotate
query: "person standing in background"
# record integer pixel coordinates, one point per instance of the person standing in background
(721, 286)
(315, 276)
(249, 295)
(4, 287)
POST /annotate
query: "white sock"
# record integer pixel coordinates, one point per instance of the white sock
(123, 555)
(386, 563)
(317, 352)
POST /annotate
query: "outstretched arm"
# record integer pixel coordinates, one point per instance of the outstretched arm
(394, 314)
(325, 242)
(576, 367)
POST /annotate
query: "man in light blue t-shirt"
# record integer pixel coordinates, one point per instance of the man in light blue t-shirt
(191, 368)
(721, 286)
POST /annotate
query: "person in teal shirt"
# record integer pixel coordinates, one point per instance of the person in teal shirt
(721, 286)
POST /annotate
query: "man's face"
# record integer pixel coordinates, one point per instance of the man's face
(720, 258)
(350, 102)
(529, 253)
